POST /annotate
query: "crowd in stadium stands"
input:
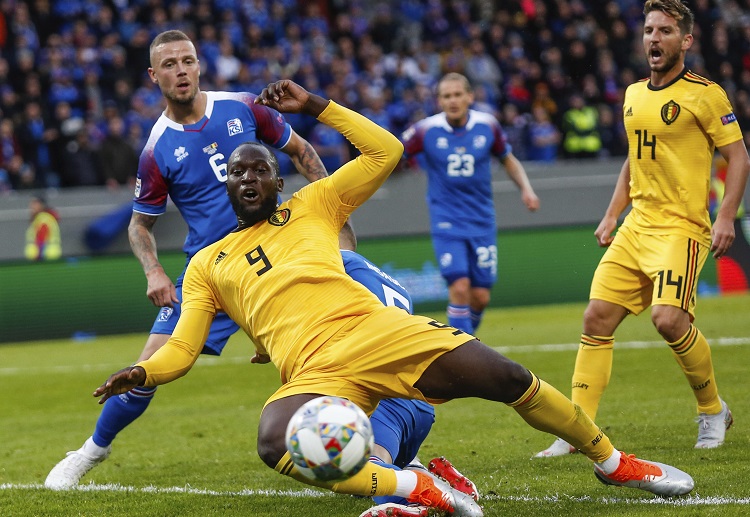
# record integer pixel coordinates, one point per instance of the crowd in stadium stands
(76, 102)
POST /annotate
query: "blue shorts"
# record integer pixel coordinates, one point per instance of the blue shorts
(400, 426)
(221, 329)
(474, 258)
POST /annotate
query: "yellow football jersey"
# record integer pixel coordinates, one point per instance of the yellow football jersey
(282, 280)
(672, 134)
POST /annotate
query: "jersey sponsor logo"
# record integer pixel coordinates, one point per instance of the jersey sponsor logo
(165, 313)
(211, 149)
(137, 192)
(280, 217)
(180, 153)
(220, 257)
(234, 126)
(728, 119)
(669, 112)
(446, 259)
(442, 143)
(629, 112)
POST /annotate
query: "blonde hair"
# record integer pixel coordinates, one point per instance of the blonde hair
(454, 76)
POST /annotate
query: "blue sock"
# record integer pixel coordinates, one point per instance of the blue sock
(459, 317)
(476, 319)
(119, 412)
(382, 499)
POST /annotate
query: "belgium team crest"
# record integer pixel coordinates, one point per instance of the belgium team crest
(669, 112)
(280, 217)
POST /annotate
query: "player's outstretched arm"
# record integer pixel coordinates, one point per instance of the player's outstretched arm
(357, 179)
(121, 382)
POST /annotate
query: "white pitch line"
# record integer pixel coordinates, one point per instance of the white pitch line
(694, 500)
(216, 361)
(566, 347)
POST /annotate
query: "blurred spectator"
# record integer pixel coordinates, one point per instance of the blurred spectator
(612, 133)
(79, 166)
(516, 126)
(482, 70)
(35, 135)
(580, 129)
(118, 161)
(43, 233)
(330, 145)
(544, 137)
(227, 64)
(15, 171)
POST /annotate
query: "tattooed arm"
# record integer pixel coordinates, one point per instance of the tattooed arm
(160, 289)
(305, 159)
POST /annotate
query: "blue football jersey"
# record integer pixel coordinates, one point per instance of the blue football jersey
(459, 173)
(188, 163)
(385, 287)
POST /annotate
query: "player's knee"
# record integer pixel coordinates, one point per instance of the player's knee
(460, 290)
(670, 324)
(271, 448)
(516, 381)
(480, 299)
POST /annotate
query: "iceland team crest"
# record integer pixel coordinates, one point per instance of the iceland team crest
(234, 126)
(165, 313)
(280, 217)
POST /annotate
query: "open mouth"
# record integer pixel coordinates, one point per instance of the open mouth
(250, 194)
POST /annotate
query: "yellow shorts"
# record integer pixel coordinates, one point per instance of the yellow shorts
(376, 356)
(639, 270)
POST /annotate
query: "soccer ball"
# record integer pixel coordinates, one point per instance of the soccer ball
(329, 438)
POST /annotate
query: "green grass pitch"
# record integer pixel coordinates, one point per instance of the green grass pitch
(193, 452)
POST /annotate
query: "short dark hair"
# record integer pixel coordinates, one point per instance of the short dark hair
(674, 8)
(273, 161)
(166, 37)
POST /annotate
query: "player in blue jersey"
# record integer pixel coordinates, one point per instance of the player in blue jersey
(184, 159)
(455, 147)
(400, 426)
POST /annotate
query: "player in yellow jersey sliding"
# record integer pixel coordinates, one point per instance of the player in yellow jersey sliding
(674, 122)
(279, 275)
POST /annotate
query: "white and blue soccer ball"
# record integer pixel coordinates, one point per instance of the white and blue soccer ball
(329, 438)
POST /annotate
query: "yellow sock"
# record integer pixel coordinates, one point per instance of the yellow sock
(372, 480)
(694, 357)
(592, 372)
(546, 409)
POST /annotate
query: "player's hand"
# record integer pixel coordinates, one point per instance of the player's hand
(121, 382)
(531, 201)
(160, 289)
(288, 97)
(260, 358)
(722, 236)
(604, 231)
